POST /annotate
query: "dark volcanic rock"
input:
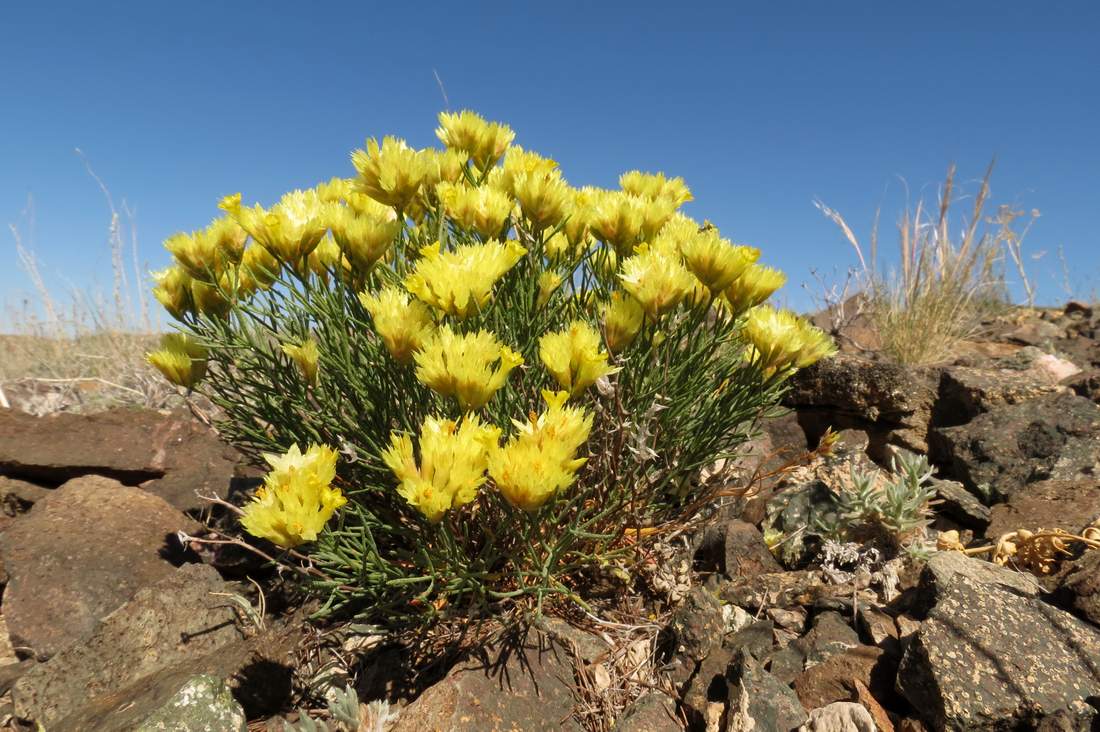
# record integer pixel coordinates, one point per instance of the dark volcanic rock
(165, 627)
(746, 553)
(1048, 504)
(967, 392)
(168, 454)
(769, 702)
(831, 634)
(989, 659)
(834, 679)
(1051, 437)
(959, 504)
(943, 567)
(891, 403)
(79, 554)
(651, 712)
(1082, 584)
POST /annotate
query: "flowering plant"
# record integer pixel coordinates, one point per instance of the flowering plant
(504, 381)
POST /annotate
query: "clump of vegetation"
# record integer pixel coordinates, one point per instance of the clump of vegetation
(944, 283)
(894, 510)
(475, 384)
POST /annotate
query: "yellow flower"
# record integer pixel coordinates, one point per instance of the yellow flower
(470, 367)
(714, 260)
(540, 460)
(212, 298)
(208, 252)
(560, 249)
(467, 131)
(460, 282)
(289, 230)
(622, 319)
(403, 323)
(327, 258)
(543, 197)
(656, 280)
(173, 290)
(258, 270)
(549, 282)
(519, 161)
(622, 220)
(579, 214)
(364, 239)
(573, 357)
(447, 166)
(654, 186)
(483, 209)
(755, 285)
(392, 173)
(781, 340)
(297, 498)
(306, 355)
(335, 190)
(180, 359)
(452, 465)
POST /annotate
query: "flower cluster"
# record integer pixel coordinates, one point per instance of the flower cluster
(413, 314)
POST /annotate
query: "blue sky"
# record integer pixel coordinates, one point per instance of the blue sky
(761, 107)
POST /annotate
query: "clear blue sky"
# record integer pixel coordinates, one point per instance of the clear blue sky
(761, 107)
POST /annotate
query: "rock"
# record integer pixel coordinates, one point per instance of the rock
(1035, 332)
(801, 588)
(829, 636)
(789, 619)
(651, 712)
(170, 624)
(1082, 586)
(959, 504)
(990, 659)
(878, 627)
(833, 679)
(755, 640)
(787, 663)
(891, 403)
(793, 513)
(1086, 384)
(79, 554)
(943, 567)
(696, 628)
(203, 704)
(520, 685)
(169, 454)
(16, 496)
(1048, 504)
(767, 701)
(997, 453)
(840, 717)
(746, 553)
(864, 696)
(966, 392)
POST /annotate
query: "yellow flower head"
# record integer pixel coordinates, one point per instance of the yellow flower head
(306, 356)
(258, 270)
(453, 458)
(543, 197)
(485, 142)
(518, 161)
(460, 282)
(484, 209)
(297, 498)
(365, 238)
(447, 166)
(404, 324)
(335, 190)
(213, 298)
(654, 186)
(714, 260)
(470, 367)
(289, 230)
(755, 285)
(549, 282)
(622, 220)
(579, 214)
(573, 357)
(392, 173)
(781, 340)
(541, 459)
(211, 251)
(656, 280)
(622, 319)
(181, 359)
(327, 258)
(173, 290)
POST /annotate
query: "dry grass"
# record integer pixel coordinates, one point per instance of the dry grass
(82, 351)
(946, 282)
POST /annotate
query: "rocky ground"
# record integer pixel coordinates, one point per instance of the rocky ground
(114, 618)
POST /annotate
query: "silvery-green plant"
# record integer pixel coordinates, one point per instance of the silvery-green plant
(899, 509)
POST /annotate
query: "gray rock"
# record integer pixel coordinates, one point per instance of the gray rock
(526, 684)
(746, 553)
(840, 717)
(651, 712)
(168, 625)
(989, 659)
(697, 628)
(831, 634)
(997, 453)
(1082, 586)
(770, 703)
(966, 392)
(957, 503)
(942, 568)
(1048, 504)
(203, 704)
(79, 554)
(794, 512)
